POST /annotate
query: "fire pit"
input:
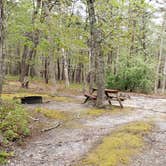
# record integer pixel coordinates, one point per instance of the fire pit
(31, 100)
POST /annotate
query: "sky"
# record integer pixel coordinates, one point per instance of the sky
(157, 4)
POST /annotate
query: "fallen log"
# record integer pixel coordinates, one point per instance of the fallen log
(50, 128)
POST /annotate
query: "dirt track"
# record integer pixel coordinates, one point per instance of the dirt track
(64, 146)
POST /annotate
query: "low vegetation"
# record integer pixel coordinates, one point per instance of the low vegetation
(4, 155)
(119, 147)
(53, 114)
(46, 97)
(139, 77)
(13, 125)
(14, 121)
(94, 112)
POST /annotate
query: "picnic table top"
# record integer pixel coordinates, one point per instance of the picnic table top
(108, 90)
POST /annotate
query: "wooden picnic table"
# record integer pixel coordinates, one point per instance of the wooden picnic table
(111, 94)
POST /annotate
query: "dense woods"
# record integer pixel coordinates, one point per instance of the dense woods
(118, 44)
(82, 82)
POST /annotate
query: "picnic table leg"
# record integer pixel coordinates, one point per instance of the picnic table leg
(120, 102)
(109, 101)
(87, 98)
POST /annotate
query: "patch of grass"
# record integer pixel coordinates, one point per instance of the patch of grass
(63, 99)
(12, 78)
(136, 128)
(119, 147)
(96, 112)
(11, 96)
(53, 114)
(13, 121)
(4, 156)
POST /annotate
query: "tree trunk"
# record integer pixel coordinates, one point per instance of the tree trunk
(97, 61)
(52, 71)
(160, 54)
(66, 73)
(164, 77)
(46, 70)
(23, 64)
(92, 22)
(58, 69)
(33, 36)
(100, 79)
(1, 44)
(164, 70)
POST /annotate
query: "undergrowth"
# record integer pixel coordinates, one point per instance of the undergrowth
(53, 114)
(13, 126)
(4, 156)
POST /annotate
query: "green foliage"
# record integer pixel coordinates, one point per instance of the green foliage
(137, 76)
(13, 121)
(10, 135)
(4, 156)
(126, 26)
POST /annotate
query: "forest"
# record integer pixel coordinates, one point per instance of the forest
(69, 52)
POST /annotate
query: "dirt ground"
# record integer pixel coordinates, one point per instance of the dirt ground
(67, 144)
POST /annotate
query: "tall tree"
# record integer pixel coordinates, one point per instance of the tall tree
(160, 54)
(97, 63)
(1, 43)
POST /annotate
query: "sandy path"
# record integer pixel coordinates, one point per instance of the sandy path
(63, 146)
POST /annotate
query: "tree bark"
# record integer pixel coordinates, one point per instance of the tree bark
(46, 69)
(97, 62)
(92, 22)
(23, 64)
(28, 52)
(164, 70)
(160, 54)
(66, 73)
(2, 37)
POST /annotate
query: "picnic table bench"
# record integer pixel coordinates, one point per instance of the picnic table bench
(89, 97)
(110, 94)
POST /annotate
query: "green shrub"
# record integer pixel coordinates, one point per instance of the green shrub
(138, 76)
(10, 135)
(13, 121)
(4, 156)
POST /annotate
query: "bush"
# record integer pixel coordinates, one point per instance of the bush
(139, 76)
(13, 121)
(4, 156)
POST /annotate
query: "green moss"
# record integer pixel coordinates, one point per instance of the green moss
(53, 114)
(137, 128)
(119, 147)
